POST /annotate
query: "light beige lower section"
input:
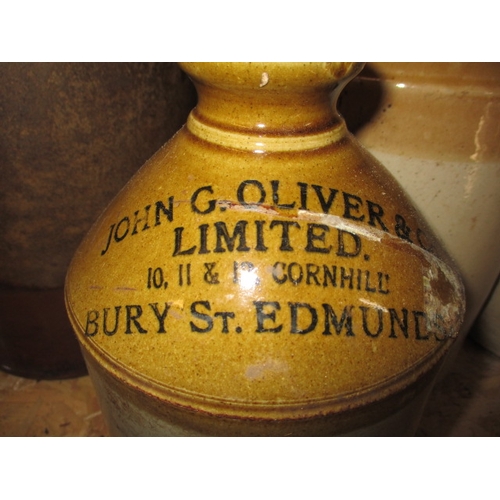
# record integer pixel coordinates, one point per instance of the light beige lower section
(125, 418)
(465, 403)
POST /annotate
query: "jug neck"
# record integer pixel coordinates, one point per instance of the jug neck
(268, 106)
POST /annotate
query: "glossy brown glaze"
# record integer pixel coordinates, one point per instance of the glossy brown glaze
(252, 281)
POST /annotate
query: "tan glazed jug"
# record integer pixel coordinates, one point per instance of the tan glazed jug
(262, 274)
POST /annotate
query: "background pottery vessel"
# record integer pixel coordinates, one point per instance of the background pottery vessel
(435, 126)
(487, 328)
(263, 274)
(72, 135)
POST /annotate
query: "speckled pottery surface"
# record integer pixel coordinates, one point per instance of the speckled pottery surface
(263, 274)
(435, 126)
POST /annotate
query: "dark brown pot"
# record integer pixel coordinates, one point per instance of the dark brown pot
(72, 135)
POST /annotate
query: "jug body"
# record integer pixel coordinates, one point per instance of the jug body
(263, 274)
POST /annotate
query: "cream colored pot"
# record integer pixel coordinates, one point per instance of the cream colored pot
(436, 127)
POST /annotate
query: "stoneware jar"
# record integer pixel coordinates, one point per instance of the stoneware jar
(435, 126)
(72, 135)
(262, 274)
